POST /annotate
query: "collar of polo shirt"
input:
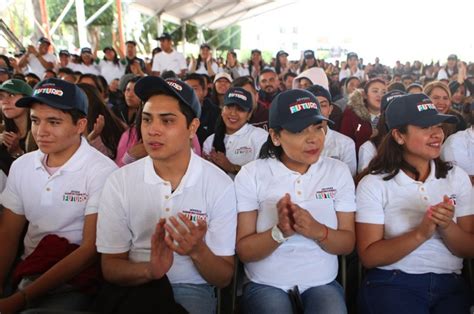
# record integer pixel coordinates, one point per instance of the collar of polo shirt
(403, 179)
(73, 164)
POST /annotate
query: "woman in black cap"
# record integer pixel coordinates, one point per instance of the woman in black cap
(414, 217)
(282, 66)
(204, 63)
(308, 61)
(296, 214)
(255, 64)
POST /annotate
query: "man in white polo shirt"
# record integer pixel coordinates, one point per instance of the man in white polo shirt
(55, 190)
(168, 59)
(38, 59)
(336, 145)
(171, 191)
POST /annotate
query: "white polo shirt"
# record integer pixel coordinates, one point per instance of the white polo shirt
(400, 204)
(326, 188)
(347, 73)
(135, 198)
(241, 147)
(56, 204)
(367, 152)
(173, 61)
(341, 147)
(201, 68)
(459, 148)
(86, 69)
(35, 66)
(111, 71)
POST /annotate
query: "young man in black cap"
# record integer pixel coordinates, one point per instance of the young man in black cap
(132, 59)
(56, 190)
(171, 215)
(38, 59)
(168, 59)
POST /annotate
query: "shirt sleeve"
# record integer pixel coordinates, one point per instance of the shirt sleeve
(260, 138)
(96, 182)
(345, 198)
(207, 145)
(10, 197)
(113, 234)
(365, 156)
(182, 63)
(349, 156)
(156, 64)
(246, 189)
(369, 202)
(464, 205)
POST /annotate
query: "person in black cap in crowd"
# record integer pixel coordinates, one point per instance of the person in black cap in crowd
(268, 81)
(111, 67)
(352, 68)
(414, 88)
(56, 190)
(86, 64)
(450, 69)
(336, 145)
(259, 117)
(135, 65)
(168, 218)
(168, 59)
(414, 217)
(38, 59)
(32, 79)
(64, 60)
(67, 74)
(255, 64)
(282, 66)
(295, 214)
(308, 61)
(209, 111)
(204, 63)
(235, 142)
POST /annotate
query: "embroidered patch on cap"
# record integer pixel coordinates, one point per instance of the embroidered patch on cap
(303, 105)
(424, 107)
(174, 85)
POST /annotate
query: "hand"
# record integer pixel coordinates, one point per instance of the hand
(12, 141)
(31, 49)
(221, 160)
(427, 227)
(98, 127)
(209, 59)
(13, 62)
(285, 217)
(161, 257)
(189, 238)
(12, 304)
(442, 214)
(306, 225)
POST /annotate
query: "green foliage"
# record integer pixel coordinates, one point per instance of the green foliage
(55, 7)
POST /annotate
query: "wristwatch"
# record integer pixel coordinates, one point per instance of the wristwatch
(277, 235)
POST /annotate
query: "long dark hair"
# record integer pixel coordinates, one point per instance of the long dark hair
(219, 135)
(381, 131)
(113, 128)
(116, 59)
(269, 150)
(389, 160)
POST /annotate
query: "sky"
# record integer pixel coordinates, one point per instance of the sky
(404, 30)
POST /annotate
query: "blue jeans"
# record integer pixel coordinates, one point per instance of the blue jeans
(263, 299)
(196, 299)
(67, 301)
(393, 291)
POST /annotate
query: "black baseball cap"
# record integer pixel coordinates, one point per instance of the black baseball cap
(414, 109)
(108, 48)
(44, 40)
(309, 54)
(255, 50)
(453, 57)
(64, 52)
(133, 42)
(282, 52)
(294, 110)
(205, 45)
(318, 90)
(86, 50)
(240, 97)
(352, 55)
(149, 85)
(58, 94)
(164, 36)
(388, 97)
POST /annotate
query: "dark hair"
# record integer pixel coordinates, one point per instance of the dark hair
(113, 128)
(19, 76)
(219, 135)
(66, 71)
(196, 77)
(396, 86)
(389, 160)
(267, 70)
(244, 80)
(116, 60)
(7, 62)
(169, 74)
(94, 78)
(381, 131)
(288, 74)
(373, 81)
(304, 66)
(250, 64)
(278, 64)
(199, 59)
(105, 85)
(50, 71)
(269, 150)
(75, 114)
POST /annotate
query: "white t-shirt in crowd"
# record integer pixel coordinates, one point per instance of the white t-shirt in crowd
(56, 204)
(111, 71)
(241, 147)
(400, 204)
(347, 73)
(459, 149)
(86, 69)
(35, 66)
(341, 147)
(135, 198)
(201, 68)
(325, 189)
(367, 152)
(173, 61)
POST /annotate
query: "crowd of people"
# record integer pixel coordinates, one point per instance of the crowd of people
(139, 187)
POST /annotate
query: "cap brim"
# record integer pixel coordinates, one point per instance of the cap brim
(233, 103)
(27, 102)
(8, 90)
(435, 119)
(301, 124)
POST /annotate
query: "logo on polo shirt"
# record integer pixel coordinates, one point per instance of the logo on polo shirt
(452, 198)
(326, 193)
(243, 150)
(75, 197)
(194, 215)
(307, 104)
(424, 107)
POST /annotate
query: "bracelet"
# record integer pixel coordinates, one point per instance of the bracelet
(326, 233)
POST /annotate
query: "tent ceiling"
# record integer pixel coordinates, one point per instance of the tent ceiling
(207, 13)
